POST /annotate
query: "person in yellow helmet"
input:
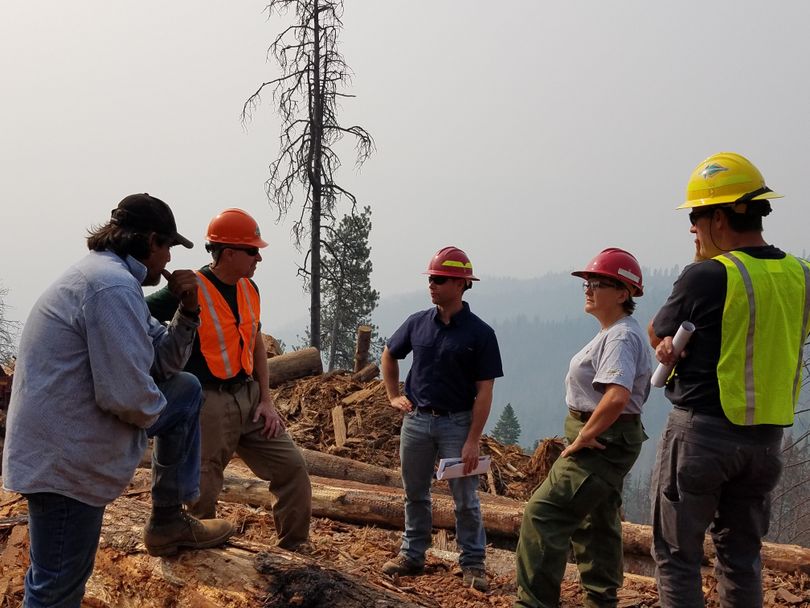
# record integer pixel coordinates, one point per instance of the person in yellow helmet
(733, 390)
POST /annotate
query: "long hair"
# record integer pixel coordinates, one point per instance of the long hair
(122, 241)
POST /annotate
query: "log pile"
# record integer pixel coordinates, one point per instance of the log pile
(338, 414)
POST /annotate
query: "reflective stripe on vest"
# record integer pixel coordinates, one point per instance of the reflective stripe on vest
(226, 346)
(765, 323)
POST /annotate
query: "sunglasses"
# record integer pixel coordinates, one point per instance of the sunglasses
(598, 284)
(438, 280)
(694, 216)
(251, 251)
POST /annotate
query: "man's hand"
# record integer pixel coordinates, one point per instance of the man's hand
(665, 352)
(401, 402)
(273, 424)
(581, 443)
(469, 455)
(183, 285)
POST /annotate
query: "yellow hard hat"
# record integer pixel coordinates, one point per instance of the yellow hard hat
(726, 178)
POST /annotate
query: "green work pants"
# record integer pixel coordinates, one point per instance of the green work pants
(579, 505)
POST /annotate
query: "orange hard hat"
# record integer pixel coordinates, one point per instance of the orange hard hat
(617, 264)
(451, 262)
(235, 227)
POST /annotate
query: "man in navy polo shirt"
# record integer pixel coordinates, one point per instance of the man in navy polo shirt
(448, 394)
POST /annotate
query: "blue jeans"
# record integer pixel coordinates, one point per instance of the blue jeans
(64, 532)
(64, 536)
(176, 453)
(424, 437)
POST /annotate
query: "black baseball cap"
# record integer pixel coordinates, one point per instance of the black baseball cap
(150, 214)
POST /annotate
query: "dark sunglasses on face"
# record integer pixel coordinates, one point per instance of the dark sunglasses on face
(251, 251)
(597, 284)
(695, 215)
(438, 280)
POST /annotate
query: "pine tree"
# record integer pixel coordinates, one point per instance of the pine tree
(507, 429)
(348, 299)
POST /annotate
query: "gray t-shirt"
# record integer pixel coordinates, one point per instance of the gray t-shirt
(616, 355)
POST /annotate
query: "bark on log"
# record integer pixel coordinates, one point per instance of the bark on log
(294, 365)
(369, 372)
(362, 347)
(337, 467)
(362, 503)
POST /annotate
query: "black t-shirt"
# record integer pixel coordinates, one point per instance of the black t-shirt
(699, 296)
(163, 304)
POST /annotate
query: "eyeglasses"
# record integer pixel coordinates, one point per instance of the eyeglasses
(438, 280)
(251, 251)
(598, 284)
(695, 215)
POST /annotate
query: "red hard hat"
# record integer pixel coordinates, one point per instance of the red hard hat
(617, 264)
(451, 262)
(235, 227)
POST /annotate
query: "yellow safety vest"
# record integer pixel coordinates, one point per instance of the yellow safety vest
(765, 325)
(226, 346)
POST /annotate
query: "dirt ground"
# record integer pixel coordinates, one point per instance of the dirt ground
(237, 576)
(341, 566)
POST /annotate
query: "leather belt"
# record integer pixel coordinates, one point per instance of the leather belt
(433, 411)
(585, 416)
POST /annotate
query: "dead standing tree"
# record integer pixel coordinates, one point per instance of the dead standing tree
(306, 94)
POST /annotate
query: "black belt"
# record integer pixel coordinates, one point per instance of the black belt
(585, 416)
(433, 411)
(226, 387)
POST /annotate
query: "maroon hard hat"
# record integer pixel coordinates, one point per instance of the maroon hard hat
(617, 264)
(451, 262)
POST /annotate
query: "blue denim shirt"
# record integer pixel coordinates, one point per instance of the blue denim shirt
(84, 384)
(447, 359)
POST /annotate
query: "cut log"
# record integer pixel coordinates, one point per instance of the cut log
(369, 372)
(294, 365)
(337, 467)
(339, 426)
(362, 503)
(362, 347)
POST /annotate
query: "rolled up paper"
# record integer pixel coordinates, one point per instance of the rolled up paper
(662, 372)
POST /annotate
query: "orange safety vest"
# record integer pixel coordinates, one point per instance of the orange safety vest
(226, 345)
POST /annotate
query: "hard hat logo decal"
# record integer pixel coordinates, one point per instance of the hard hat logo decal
(712, 170)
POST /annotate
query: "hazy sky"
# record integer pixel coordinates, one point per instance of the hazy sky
(532, 134)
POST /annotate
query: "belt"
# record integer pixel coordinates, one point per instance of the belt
(585, 416)
(433, 411)
(226, 387)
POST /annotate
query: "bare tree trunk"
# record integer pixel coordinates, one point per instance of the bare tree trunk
(315, 165)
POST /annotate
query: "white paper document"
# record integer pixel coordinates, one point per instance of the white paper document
(450, 468)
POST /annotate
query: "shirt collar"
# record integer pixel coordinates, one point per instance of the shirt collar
(456, 319)
(136, 268)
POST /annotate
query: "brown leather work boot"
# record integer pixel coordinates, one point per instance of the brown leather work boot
(476, 577)
(185, 532)
(402, 566)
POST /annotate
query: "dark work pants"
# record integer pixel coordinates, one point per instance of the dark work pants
(712, 474)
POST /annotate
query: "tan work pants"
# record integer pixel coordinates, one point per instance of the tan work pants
(227, 427)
